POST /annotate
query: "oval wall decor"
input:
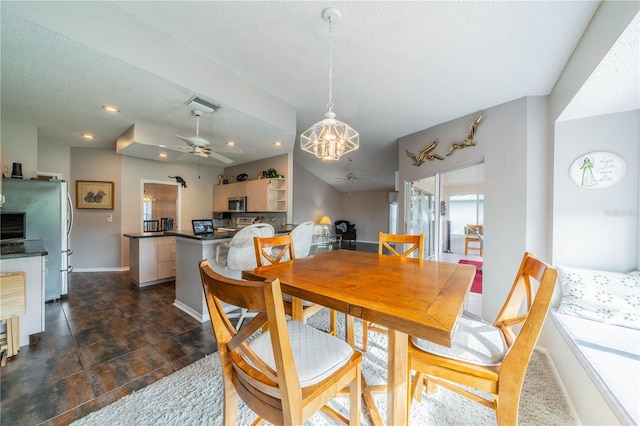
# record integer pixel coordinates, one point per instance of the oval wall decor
(597, 170)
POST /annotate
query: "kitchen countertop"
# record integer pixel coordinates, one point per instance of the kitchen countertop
(24, 248)
(146, 235)
(220, 235)
(217, 234)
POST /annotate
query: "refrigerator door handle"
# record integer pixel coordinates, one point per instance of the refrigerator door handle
(70, 205)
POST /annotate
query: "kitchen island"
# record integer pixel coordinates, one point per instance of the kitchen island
(152, 258)
(190, 250)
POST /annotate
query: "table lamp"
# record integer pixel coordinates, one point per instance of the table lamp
(325, 221)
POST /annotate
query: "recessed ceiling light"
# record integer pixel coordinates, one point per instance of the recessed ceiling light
(231, 143)
(163, 155)
(277, 143)
(110, 108)
(88, 136)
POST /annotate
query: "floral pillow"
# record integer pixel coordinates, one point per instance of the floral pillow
(608, 297)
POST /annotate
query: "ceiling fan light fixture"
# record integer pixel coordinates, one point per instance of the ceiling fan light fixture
(330, 139)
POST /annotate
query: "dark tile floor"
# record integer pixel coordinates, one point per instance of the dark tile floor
(103, 341)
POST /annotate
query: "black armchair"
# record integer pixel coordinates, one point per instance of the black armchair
(345, 229)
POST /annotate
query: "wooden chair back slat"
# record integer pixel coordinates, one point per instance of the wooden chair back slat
(264, 245)
(416, 244)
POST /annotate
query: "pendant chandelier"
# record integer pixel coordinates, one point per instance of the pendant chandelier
(329, 139)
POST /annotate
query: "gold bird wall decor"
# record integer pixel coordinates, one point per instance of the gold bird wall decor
(424, 155)
(470, 138)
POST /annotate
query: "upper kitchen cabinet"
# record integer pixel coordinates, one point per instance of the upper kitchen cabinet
(263, 195)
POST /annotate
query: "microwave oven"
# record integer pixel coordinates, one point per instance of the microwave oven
(237, 204)
(13, 226)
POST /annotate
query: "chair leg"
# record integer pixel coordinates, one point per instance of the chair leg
(333, 321)
(355, 391)
(365, 335)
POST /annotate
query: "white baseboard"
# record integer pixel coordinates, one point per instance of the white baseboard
(556, 375)
(114, 269)
(189, 311)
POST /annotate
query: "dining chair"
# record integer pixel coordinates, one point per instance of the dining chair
(286, 373)
(490, 357)
(237, 255)
(302, 236)
(473, 235)
(411, 244)
(285, 245)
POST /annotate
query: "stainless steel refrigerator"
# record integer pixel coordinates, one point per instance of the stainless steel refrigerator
(49, 217)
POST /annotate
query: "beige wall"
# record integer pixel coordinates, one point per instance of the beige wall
(312, 197)
(502, 145)
(19, 145)
(368, 210)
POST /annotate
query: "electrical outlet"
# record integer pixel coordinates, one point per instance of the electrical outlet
(109, 218)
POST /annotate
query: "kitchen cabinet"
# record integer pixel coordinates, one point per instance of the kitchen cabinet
(263, 195)
(152, 260)
(256, 195)
(32, 321)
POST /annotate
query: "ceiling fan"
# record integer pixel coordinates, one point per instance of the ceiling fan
(199, 146)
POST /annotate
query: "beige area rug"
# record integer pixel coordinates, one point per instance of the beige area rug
(193, 396)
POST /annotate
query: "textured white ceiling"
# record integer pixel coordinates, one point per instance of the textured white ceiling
(399, 67)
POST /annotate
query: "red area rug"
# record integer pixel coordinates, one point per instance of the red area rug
(476, 287)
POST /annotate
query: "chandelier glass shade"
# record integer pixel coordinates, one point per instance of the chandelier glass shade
(330, 139)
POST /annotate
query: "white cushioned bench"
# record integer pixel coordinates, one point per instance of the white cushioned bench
(599, 319)
(610, 355)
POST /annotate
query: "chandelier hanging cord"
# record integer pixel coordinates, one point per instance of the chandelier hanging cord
(330, 113)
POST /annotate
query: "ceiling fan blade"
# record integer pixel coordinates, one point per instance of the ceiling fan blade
(221, 158)
(229, 149)
(194, 141)
(185, 140)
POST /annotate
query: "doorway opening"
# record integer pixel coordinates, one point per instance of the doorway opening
(160, 206)
(442, 207)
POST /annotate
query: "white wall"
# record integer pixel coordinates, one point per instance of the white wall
(597, 228)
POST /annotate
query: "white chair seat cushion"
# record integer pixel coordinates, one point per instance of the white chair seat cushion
(473, 341)
(316, 354)
(305, 303)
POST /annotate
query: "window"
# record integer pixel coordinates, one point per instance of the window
(465, 209)
(148, 208)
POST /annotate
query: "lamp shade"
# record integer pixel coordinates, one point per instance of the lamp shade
(325, 220)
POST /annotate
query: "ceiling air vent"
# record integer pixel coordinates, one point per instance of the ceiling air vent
(203, 105)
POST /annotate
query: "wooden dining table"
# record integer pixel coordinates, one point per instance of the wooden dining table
(414, 297)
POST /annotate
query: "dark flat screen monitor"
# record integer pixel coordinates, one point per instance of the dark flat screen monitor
(202, 226)
(13, 226)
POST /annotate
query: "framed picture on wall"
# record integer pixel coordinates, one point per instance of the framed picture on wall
(93, 194)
